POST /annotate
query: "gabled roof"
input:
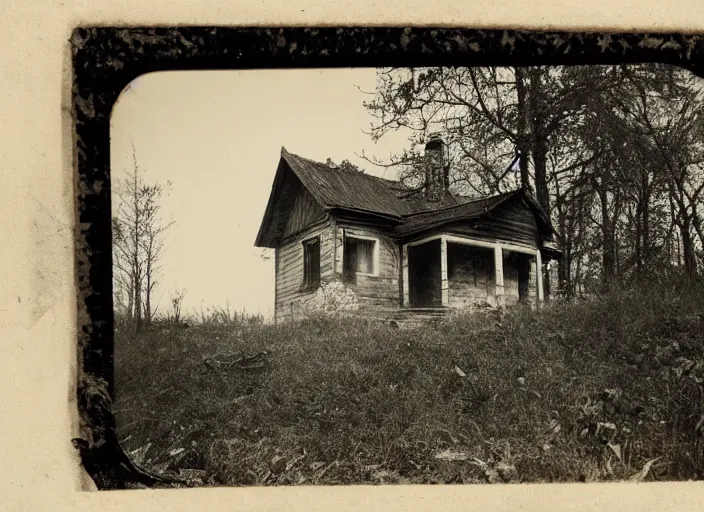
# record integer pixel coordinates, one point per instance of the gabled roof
(343, 189)
(337, 188)
(403, 212)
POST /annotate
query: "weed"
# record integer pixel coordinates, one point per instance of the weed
(588, 390)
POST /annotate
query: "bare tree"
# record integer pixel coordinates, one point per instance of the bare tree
(153, 242)
(138, 244)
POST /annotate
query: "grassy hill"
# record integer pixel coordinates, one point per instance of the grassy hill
(595, 390)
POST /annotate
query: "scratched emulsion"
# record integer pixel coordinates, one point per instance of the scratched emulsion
(105, 60)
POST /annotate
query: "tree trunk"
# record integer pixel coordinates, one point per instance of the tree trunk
(130, 300)
(696, 222)
(608, 242)
(690, 258)
(578, 278)
(523, 138)
(647, 251)
(136, 263)
(638, 252)
(565, 236)
(539, 142)
(138, 305)
(563, 274)
(539, 151)
(147, 297)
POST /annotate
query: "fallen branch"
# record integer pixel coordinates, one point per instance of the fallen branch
(220, 363)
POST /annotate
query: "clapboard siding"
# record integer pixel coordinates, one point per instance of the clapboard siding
(306, 211)
(472, 277)
(383, 288)
(289, 269)
(511, 293)
(511, 222)
(468, 286)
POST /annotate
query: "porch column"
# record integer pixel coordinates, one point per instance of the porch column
(404, 275)
(333, 226)
(499, 277)
(444, 285)
(539, 274)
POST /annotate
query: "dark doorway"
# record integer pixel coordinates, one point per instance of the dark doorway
(523, 262)
(424, 286)
(349, 260)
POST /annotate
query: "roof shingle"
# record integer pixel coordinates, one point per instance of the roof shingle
(337, 188)
(410, 213)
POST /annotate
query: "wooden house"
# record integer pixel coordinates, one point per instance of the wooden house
(349, 241)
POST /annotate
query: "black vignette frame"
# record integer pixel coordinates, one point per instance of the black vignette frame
(106, 59)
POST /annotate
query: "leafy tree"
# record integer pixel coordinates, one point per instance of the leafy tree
(613, 153)
(345, 165)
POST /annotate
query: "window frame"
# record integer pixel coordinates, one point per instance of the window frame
(308, 285)
(375, 253)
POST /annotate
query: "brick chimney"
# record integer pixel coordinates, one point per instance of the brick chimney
(436, 178)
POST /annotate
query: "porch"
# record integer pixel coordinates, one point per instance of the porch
(457, 272)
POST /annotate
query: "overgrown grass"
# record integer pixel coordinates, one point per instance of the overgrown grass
(581, 391)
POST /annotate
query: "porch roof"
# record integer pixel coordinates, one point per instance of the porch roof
(473, 209)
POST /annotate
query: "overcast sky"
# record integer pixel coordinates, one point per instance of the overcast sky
(217, 137)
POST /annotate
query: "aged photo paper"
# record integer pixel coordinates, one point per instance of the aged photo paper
(38, 301)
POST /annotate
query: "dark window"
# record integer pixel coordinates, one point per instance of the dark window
(365, 256)
(358, 257)
(311, 263)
